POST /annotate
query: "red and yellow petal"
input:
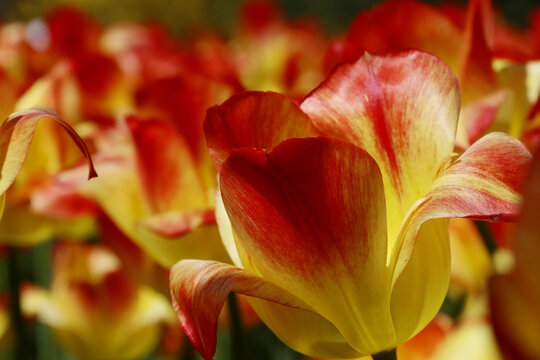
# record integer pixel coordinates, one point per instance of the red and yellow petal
(199, 290)
(178, 223)
(166, 167)
(476, 74)
(311, 215)
(476, 117)
(402, 108)
(15, 138)
(482, 184)
(254, 119)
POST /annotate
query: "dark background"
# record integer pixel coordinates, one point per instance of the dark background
(180, 16)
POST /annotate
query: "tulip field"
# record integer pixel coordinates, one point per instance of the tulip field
(251, 181)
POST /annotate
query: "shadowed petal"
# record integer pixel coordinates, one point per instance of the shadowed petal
(254, 119)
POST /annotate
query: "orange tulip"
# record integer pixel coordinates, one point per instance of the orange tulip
(341, 242)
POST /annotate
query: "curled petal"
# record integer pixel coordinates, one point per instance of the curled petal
(199, 290)
(482, 184)
(253, 119)
(16, 135)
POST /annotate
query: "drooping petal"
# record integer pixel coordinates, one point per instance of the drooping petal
(15, 138)
(254, 119)
(311, 216)
(402, 109)
(482, 184)
(199, 290)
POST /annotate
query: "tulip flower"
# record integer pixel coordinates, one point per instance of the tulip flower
(340, 242)
(95, 310)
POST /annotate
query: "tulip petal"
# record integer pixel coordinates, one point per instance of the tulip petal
(15, 136)
(311, 215)
(253, 119)
(118, 192)
(482, 184)
(22, 227)
(402, 109)
(166, 167)
(476, 74)
(199, 290)
(178, 223)
(476, 117)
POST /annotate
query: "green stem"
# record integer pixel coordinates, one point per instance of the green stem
(239, 346)
(189, 352)
(23, 345)
(385, 355)
(488, 238)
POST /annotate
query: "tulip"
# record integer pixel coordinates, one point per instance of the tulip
(95, 310)
(341, 242)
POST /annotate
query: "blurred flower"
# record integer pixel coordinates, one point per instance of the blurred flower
(307, 215)
(471, 264)
(515, 296)
(16, 135)
(94, 309)
(494, 95)
(5, 323)
(158, 181)
(274, 55)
